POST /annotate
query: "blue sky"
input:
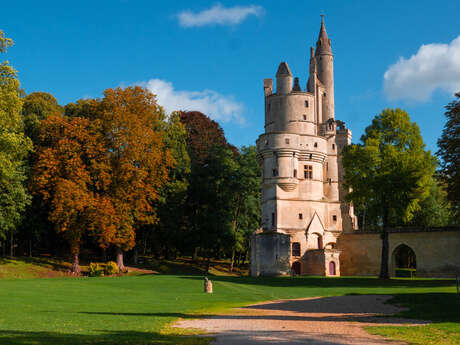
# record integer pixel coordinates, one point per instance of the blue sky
(213, 57)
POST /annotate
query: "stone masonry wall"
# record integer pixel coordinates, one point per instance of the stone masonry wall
(437, 251)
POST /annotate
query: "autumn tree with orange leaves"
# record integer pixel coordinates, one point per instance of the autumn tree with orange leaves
(102, 172)
(132, 128)
(70, 173)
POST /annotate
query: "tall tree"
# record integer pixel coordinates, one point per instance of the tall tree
(246, 201)
(14, 148)
(389, 172)
(171, 206)
(132, 123)
(212, 183)
(70, 173)
(36, 227)
(449, 152)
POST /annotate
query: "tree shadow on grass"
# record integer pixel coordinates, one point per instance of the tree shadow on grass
(104, 338)
(435, 307)
(45, 262)
(330, 282)
(277, 317)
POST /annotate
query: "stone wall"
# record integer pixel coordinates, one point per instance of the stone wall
(270, 254)
(437, 251)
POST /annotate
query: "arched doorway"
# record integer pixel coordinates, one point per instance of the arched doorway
(331, 268)
(404, 258)
(296, 267)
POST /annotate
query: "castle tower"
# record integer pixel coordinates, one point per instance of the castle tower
(303, 208)
(325, 70)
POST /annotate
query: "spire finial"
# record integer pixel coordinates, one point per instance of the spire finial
(322, 18)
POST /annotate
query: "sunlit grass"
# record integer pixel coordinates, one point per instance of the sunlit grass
(139, 309)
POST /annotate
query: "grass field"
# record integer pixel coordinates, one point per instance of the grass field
(137, 309)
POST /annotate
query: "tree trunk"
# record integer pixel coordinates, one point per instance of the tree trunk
(119, 254)
(208, 263)
(104, 255)
(30, 248)
(385, 249)
(195, 254)
(232, 261)
(74, 253)
(135, 256)
(384, 274)
(11, 244)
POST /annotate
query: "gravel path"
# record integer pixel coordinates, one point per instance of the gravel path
(322, 321)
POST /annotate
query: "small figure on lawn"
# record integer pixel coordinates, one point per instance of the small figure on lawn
(207, 285)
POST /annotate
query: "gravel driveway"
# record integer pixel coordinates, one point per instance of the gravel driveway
(322, 321)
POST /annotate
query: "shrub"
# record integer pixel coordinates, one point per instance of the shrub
(163, 268)
(95, 270)
(405, 272)
(111, 268)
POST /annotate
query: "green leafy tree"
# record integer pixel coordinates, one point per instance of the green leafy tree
(171, 231)
(449, 152)
(36, 229)
(435, 210)
(37, 107)
(211, 184)
(14, 148)
(389, 173)
(246, 203)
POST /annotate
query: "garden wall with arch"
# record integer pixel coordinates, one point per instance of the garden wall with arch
(436, 251)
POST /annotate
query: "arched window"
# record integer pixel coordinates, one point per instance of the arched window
(332, 268)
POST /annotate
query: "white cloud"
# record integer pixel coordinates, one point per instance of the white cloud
(216, 106)
(434, 66)
(218, 15)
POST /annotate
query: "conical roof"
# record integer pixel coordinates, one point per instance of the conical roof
(283, 70)
(323, 45)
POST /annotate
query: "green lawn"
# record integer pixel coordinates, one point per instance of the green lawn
(137, 309)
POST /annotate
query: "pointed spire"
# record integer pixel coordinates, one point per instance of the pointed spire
(283, 70)
(323, 45)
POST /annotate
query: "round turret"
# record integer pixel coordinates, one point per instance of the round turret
(283, 79)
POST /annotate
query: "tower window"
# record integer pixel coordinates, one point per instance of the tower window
(300, 216)
(316, 145)
(308, 172)
(305, 117)
(325, 94)
(333, 146)
(273, 219)
(306, 104)
(275, 172)
(295, 249)
(295, 172)
(334, 218)
(286, 140)
(311, 155)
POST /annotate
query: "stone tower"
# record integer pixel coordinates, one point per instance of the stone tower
(303, 208)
